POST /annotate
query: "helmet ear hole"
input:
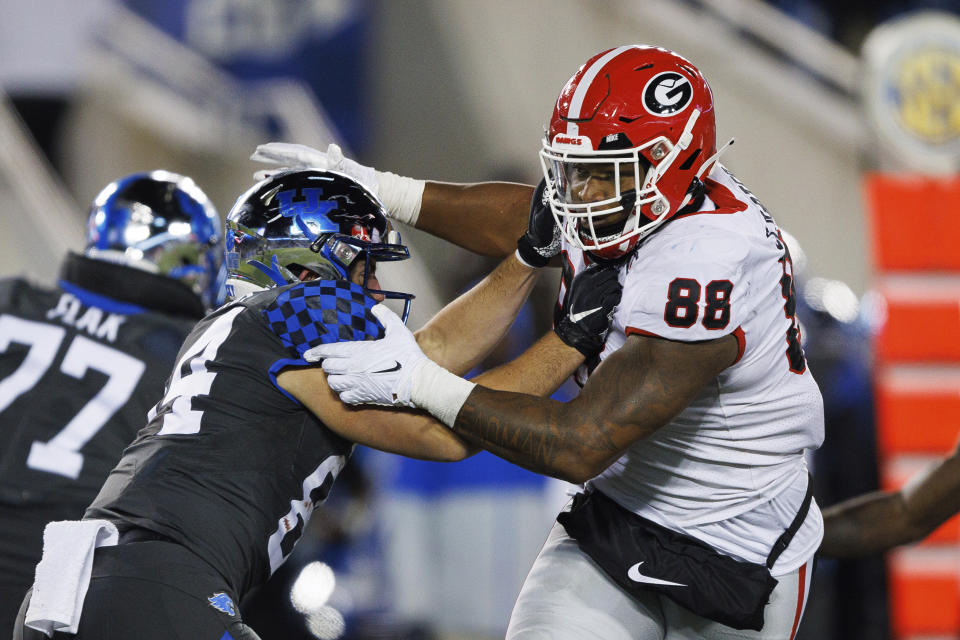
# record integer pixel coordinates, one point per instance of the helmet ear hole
(300, 271)
(690, 160)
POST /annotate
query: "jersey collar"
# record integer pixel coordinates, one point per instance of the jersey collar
(127, 286)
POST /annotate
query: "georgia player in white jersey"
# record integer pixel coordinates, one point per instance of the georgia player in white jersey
(690, 433)
(721, 270)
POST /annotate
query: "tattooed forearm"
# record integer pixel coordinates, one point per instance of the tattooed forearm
(638, 389)
(531, 432)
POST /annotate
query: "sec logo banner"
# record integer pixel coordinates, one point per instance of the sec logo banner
(911, 91)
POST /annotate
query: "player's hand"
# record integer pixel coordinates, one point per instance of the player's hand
(542, 238)
(299, 156)
(588, 305)
(375, 371)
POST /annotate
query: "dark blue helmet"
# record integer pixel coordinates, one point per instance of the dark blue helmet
(307, 221)
(163, 223)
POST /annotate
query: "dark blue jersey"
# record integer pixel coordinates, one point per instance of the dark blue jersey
(81, 364)
(231, 465)
(78, 374)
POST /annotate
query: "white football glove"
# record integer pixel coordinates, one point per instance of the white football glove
(373, 371)
(300, 156)
(391, 371)
(401, 196)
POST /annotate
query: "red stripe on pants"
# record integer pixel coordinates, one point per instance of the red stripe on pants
(801, 591)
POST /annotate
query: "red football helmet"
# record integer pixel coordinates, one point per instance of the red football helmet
(631, 132)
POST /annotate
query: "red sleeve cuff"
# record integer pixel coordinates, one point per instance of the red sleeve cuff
(737, 333)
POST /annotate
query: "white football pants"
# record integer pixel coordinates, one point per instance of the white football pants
(568, 597)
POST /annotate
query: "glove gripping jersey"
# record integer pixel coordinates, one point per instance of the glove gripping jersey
(230, 465)
(730, 468)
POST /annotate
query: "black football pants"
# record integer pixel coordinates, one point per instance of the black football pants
(152, 590)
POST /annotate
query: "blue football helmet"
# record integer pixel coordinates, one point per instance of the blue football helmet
(297, 223)
(163, 223)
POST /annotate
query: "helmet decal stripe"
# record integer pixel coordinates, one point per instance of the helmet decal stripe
(576, 102)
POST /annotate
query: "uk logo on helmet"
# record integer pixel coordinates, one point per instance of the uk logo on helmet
(312, 202)
(667, 93)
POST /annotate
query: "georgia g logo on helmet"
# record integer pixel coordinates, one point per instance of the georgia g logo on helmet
(667, 93)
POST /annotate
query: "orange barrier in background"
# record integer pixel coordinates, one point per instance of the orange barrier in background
(925, 330)
(918, 410)
(924, 602)
(915, 233)
(916, 222)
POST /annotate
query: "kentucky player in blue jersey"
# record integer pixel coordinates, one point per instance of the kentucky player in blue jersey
(247, 438)
(82, 362)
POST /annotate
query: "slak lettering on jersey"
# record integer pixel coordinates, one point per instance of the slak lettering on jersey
(68, 311)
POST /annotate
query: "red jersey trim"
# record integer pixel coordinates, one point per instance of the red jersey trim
(741, 343)
(722, 197)
(640, 332)
(737, 333)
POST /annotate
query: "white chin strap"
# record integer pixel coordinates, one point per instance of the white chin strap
(682, 143)
(712, 159)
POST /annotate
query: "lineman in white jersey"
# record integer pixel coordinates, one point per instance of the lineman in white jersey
(742, 478)
(689, 435)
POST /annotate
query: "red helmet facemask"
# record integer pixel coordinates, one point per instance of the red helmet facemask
(631, 133)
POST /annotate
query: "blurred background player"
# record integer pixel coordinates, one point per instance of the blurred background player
(82, 363)
(247, 440)
(882, 520)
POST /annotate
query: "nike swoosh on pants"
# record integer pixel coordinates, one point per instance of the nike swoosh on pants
(634, 574)
(577, 317)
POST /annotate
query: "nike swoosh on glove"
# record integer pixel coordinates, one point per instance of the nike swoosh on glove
(584, 318)
(299, 156)
(373, 371)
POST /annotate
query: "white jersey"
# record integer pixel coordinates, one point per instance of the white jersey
(729, 469)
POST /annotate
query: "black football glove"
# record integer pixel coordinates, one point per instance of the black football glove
(542, 238)
(588, 304)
